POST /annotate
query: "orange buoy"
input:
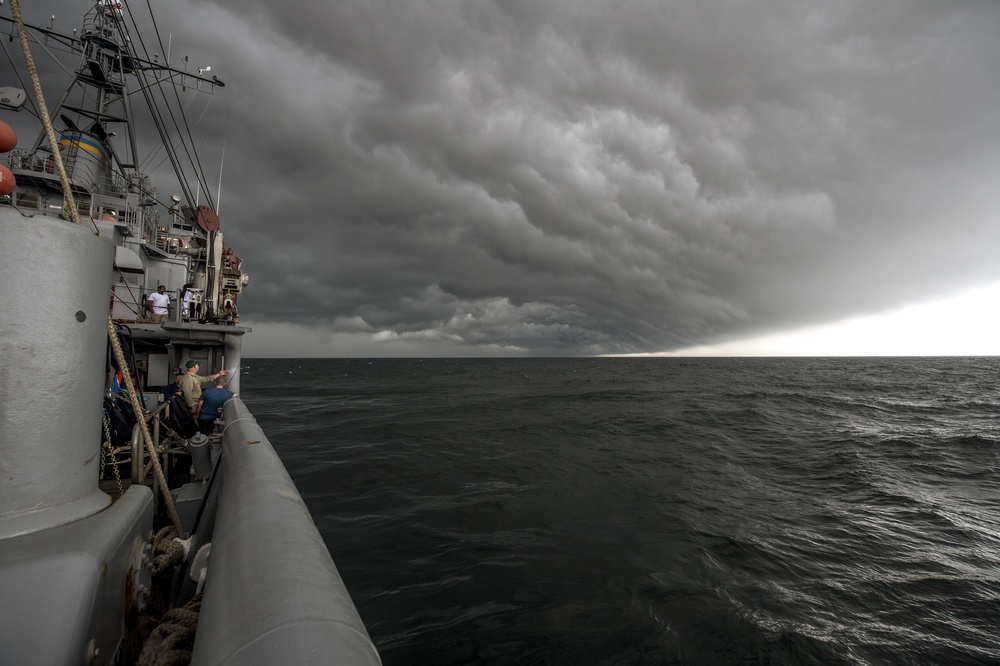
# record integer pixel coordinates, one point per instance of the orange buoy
(8, 138)
(7, 182)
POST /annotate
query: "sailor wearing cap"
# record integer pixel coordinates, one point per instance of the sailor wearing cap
(191, 383)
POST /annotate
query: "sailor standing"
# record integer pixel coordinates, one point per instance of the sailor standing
(191, 383)
(186, 296)
(157, 304)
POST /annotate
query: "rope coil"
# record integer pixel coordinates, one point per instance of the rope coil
(171, 643)
(167, 553)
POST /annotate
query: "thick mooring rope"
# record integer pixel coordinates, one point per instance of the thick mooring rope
(171, 643)
(43, 112)
(167, 553)
(154, 457)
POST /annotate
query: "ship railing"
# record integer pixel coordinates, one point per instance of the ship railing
(83, 173)
(143, 225)
(30, 160)
(26, 160)
(141, 466)
(101, 25)
(140, 454)
(109, 209)
(118, 183)
(135, 453)
(139, 220)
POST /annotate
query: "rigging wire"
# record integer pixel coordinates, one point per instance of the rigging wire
(69, 202)
(222, 163)
(148, 89)
(145, 88)
(153, 154)
(186, 143)
(196, 163)
(34, 109)
(17, 70)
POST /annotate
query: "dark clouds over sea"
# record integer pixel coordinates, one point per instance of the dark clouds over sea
(572, 177)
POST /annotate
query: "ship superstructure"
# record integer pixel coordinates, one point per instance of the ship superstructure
(122, 528)
(175, 241)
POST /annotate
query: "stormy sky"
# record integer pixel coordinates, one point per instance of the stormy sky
(475, 177)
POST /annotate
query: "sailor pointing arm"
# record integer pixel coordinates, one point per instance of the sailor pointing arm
(191, 383)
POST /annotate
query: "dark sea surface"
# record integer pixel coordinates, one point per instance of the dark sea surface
(653, 511)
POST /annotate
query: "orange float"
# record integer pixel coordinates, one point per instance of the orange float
(8, 138)
(7, 182)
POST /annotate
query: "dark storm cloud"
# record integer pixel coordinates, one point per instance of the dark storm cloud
(586, 177)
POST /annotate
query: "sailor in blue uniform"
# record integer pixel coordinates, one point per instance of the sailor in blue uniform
(210, 405)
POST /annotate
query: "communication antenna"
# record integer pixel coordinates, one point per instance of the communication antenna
(222, 162)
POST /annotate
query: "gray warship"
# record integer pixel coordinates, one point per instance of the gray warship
(125, 535)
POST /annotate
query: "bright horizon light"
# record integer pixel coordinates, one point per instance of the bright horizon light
(965, 325)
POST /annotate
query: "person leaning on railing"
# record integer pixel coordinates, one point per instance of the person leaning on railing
(210, 406)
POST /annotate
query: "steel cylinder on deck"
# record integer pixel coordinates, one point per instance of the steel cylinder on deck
(55, 279)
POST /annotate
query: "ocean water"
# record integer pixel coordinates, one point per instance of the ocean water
(653, 511)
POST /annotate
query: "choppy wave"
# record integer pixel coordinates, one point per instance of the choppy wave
(633, 511)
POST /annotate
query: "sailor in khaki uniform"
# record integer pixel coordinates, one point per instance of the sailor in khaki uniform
(191, 383)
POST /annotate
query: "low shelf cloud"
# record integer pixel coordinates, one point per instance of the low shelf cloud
(553, 178)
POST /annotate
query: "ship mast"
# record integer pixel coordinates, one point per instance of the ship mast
(109, 185)
(96, 106)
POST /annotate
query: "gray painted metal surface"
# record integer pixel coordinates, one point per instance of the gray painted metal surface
(234, 352)
(69, 562)
(67, 590)
(273, 594)
(53, 331)
(72, 576)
